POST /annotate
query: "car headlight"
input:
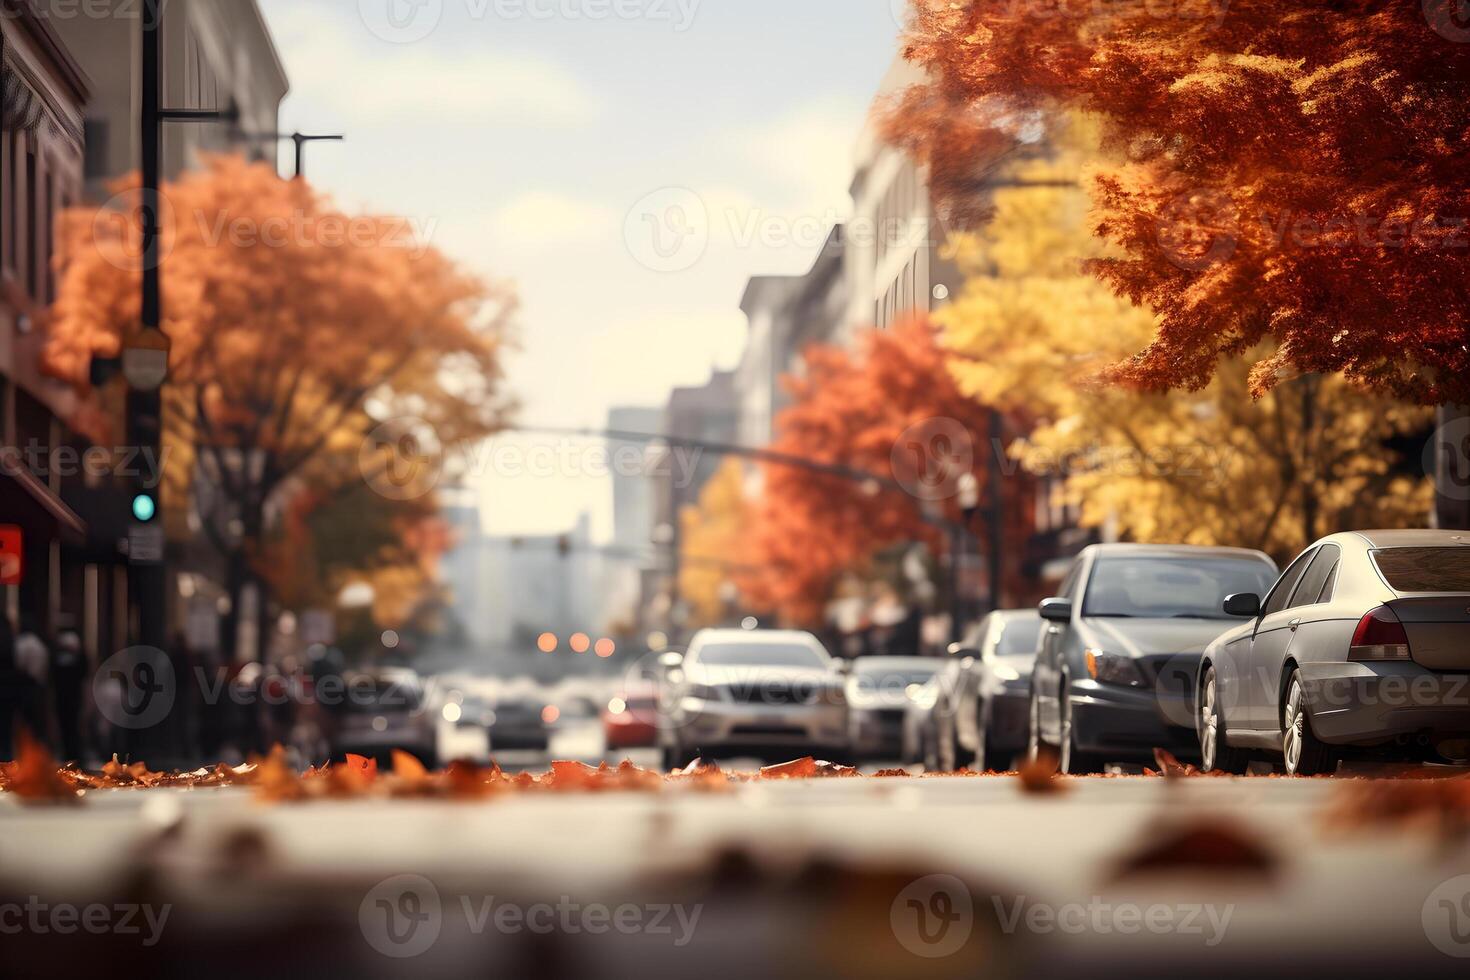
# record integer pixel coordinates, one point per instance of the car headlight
(1005, 672)
(923, 695)
(1113, 668)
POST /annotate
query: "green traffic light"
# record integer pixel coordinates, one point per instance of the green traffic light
(144, 507)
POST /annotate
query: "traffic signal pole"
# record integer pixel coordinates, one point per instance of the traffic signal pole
(145, 407)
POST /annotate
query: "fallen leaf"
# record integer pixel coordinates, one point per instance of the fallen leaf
(1212, 846)
(1039, 775)
(34, 776)
(795, 769)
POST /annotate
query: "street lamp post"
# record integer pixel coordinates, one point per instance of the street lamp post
(299, 140)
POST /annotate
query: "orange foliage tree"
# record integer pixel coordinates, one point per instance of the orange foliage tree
(296, 331)
(1287, 172)
(888, 409)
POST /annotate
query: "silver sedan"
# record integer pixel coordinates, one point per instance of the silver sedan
(1362, 644)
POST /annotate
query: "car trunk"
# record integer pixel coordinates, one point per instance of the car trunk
(1438, 628)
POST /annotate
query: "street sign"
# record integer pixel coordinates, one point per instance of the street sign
(12, 555)
(145, 544)
(145, 360)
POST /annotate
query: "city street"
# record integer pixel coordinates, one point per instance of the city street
(1359, 900)
(734, 488)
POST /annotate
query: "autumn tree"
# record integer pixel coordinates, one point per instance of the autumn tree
(888, 409)
(298, 333)
(712, 542)
(1290, 178)
(1030, 330)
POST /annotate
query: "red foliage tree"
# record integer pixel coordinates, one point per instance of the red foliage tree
(1285, 171)
(889, 408)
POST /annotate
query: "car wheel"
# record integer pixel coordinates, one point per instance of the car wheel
(1215, 754)
(1074, 762)
(978, 762)
(1305, 755)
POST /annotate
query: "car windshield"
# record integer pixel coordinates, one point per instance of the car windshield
(378, 695)
(760, 655)
(1425, 569)
(891, 675)
(1171, 588)
(1020, 638)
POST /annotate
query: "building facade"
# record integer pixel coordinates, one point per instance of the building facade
(42, 149)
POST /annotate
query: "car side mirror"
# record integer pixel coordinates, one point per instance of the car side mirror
(671, 660)
(1056, 610)
(1246, 605)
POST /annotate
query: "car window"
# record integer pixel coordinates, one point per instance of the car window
(1069, 584)
(1276, 601)
(1020, 637)
(1309, 590)
(1425, 569)
(759, 655)
(1330, 587)
(1170, 586)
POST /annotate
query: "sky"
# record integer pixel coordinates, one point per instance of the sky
(628, 164)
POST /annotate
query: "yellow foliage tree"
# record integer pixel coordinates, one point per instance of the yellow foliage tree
(714, 533)
(1030, 331)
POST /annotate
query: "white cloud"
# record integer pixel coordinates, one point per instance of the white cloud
(423, 83)
(540, 220)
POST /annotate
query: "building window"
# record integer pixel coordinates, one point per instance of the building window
(96, 149)
(33, 238)
(12, 201)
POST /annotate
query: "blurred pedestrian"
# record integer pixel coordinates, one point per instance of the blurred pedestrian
(68, 675)
(20, 695)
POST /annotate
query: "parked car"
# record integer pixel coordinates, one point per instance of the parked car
(987, 727)
(1363, 643)
(630, 718)
(1114, 677)
(523, 717)
(385, 710)
(767, 693)
(877, 697)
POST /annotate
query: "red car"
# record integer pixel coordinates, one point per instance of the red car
(630, 720)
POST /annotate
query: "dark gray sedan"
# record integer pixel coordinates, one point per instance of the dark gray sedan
(1363, 643)
(1121, 649)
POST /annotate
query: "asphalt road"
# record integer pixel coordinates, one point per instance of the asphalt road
(849, 876)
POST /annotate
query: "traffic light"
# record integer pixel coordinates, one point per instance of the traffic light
(145, 507)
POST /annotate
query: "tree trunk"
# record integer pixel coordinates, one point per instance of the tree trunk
(1451, 468)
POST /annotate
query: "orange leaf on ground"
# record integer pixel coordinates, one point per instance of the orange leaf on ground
(408, 768)
(34, 776)
(363, 765)
(1039, 775)
(1212, 846)
(796, 769)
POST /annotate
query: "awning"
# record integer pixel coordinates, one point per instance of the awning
(67, 522)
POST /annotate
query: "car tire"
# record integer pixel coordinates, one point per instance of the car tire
(977, 761)
(1074, 762)
(1216, 755)
(1303, 753)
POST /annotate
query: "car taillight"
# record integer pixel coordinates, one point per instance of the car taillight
(1380, 636)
